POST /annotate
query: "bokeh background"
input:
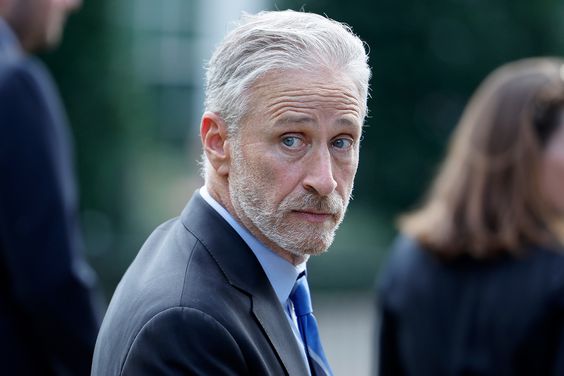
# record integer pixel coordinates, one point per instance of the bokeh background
(130, 73)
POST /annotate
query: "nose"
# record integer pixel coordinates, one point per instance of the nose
(319, 173)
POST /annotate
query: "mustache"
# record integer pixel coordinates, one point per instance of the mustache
(310, 201)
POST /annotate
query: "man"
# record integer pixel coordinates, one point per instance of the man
(48, 325)
(221, 290)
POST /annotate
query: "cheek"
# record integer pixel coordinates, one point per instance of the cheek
(274, 174)
(346, 172)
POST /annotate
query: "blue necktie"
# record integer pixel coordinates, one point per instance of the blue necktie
(307, 324)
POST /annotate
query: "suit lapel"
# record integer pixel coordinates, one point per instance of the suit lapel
(242, 270)
(275, 324)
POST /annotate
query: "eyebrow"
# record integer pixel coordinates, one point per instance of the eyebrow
(299, 119)
(294, 119)
(348, 122)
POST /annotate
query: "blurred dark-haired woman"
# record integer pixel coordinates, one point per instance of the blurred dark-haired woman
(475, 282)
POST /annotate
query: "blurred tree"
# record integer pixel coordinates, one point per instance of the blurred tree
(110, 122)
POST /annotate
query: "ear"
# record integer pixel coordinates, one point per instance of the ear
(213, 131)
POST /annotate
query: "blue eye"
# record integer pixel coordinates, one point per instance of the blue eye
(292, 141)
(342, 143)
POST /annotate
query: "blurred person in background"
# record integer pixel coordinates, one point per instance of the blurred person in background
(222, 289)
(475, 282)
(48, 323)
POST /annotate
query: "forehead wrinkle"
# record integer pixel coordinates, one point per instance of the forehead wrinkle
(289, 94)
(323, 92)
(337, 99)
(312, 103)
(282, 105)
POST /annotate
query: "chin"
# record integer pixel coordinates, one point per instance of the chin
(316, 251)
(311, 247)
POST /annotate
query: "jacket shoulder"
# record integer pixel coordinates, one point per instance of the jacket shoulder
(173, 286)
(189, 341)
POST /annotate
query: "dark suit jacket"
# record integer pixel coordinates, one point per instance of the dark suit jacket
(503, 317)
(48, 324)
(196, 301)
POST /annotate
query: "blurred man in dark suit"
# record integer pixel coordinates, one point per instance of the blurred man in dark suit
(48, 323)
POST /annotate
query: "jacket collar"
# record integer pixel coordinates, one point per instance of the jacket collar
(244, 272)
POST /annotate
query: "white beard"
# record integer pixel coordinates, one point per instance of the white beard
(250, 196)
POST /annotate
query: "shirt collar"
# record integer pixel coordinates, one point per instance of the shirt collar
(281, 273)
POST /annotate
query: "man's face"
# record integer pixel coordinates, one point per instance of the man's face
(294, 160)
(39, 23)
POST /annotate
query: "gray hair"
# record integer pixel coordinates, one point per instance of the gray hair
(279, 41)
